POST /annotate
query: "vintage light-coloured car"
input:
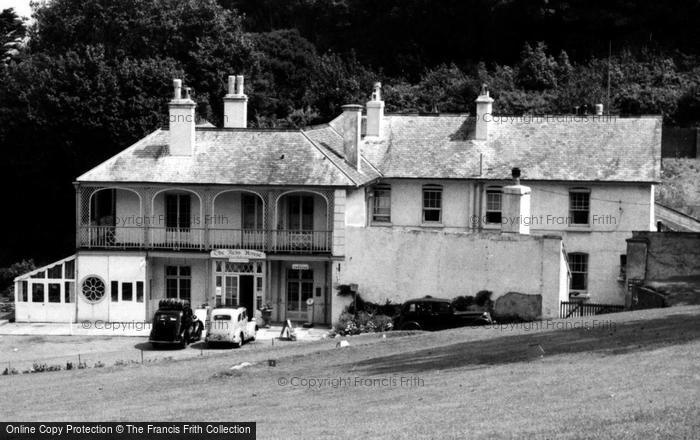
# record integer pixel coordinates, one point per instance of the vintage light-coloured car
(230, 325)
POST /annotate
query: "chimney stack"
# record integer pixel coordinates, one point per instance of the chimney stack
(182, 121)
(375, 112)
(483, 114)
(235, 104)
(352, 126)
(516, 207)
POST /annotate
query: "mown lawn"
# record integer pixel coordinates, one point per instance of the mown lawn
(636, 378)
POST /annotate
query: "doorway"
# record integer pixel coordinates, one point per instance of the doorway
(300, 288)
(239, 284)
(247, 291)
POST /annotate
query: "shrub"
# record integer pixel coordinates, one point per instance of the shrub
(462, 303)
(358, 304)
(364, 322)
(382, 323)
(362, 319)
(40, 368)
(345, 324)
(483, 298)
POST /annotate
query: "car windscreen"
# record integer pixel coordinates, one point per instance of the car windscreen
(166, 316)
(442, 307)
(222, 317)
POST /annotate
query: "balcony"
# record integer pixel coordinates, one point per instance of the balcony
(153, 238)
(290, 221)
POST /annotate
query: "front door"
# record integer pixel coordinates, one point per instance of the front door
(300, 287)
(247, 293)
(230, 291)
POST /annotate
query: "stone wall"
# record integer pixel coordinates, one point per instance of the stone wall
(393, 264)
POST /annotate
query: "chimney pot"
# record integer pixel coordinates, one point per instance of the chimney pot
(375, 112)
(599, 109)
(235, 104)
(239, 85)
(515, 172)
(177, 89)
(516, 206)
(182, 122)
(231, 84)
(484, 105)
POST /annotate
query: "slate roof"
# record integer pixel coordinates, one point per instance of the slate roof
(617, 149)
(413, 146)
(234, 157)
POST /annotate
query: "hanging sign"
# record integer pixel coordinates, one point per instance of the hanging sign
(300, 267)
(242, 254)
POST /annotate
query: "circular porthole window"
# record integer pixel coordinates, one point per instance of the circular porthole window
(93, 289)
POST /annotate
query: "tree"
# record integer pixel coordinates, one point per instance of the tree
(8, 274)
(206, 41)
(284, 65)
(12, 34)
(446, 89)
(339, 81)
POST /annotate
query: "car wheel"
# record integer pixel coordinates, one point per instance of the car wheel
(242, 339)
(410, 326)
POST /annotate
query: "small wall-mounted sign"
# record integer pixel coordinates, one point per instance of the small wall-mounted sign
(300, 267)
(244, 254)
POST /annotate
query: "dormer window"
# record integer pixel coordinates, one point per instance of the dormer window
(494, 199)
(432, 204)
(381, 204)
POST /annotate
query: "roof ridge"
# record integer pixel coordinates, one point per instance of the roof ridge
(308, 139)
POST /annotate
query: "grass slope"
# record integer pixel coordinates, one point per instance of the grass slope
(636, 377)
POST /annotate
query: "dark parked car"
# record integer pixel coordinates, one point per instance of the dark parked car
(430, 313)
(174, 323)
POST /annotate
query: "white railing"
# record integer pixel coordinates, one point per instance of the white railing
(301, 241)
(176, 238)
(281, 241)
(237, 239)
(111, 236)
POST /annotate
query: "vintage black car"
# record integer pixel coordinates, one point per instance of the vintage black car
(430, 313)
(175, 324)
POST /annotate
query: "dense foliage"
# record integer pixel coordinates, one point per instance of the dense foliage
(86, 79)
